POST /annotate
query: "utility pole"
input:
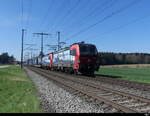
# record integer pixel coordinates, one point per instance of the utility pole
(58, 41)
(23, 30)
(42, 37)
(26, 57)
(60, 44)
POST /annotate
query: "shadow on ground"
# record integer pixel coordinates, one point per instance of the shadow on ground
(110, 76)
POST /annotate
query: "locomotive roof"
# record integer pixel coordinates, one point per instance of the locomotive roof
(82, 43)
(64, 49)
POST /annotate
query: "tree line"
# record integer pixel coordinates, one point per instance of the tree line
(6, 59)
(107, 58)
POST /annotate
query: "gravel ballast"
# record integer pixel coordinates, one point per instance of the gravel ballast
(57, 100)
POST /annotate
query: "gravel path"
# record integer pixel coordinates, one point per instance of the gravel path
(3, 67)
(55, 99)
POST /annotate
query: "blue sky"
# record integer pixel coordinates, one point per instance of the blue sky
(126, 31)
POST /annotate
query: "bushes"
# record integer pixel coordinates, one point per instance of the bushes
(107, 58)
(6, 59)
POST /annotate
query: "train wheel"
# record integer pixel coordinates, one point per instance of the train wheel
(71, 71)
(63, 70)
(92, 74)
(66, 70)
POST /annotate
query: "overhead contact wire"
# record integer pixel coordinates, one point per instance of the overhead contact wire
(105, 18)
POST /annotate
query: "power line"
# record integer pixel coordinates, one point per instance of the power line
(31, 51)
(124, 25)
(112, 2)
(22, 13)
(23, 18)
(29, 13)
(29, 46)
(69, 12)
(105, 18)
(104, 4)
(47, 14)
(79, 12)
(42, 37)
(91, 11)
(54, 18)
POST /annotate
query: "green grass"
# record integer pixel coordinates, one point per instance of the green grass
(17, 92)
(132, 74)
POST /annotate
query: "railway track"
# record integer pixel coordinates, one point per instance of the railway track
(122, 102)
(114, 81)
(145, 87)
(125, 83)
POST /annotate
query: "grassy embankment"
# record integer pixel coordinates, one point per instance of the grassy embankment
(17, 92)
(141, 74)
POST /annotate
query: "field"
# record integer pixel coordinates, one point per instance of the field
(128, 66)
(17, 92)
(130, 73)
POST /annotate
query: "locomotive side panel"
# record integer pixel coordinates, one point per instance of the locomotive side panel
(63, 59)
(55, 60)
(51, 60)
(45, 61)
(75, 54)
(66, 60)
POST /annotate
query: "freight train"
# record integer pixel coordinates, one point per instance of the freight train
(78, 58)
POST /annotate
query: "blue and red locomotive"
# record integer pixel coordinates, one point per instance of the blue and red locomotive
(78, 58)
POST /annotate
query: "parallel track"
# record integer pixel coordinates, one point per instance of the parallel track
(125, 83)
(115, 81)
(123, 102)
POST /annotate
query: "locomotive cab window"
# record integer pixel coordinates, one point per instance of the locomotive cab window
(73, 52)
(88, 50)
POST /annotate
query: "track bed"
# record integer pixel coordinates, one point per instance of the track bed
(116, 101)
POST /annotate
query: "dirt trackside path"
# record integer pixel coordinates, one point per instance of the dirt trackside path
(4, 66)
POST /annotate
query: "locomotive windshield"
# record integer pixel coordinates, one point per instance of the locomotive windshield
(88, 50)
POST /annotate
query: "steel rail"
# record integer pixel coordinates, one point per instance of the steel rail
(110, 90)
(91, 84)
(124, 83)
(90, 94)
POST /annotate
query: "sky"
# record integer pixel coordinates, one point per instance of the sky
(112, 25)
